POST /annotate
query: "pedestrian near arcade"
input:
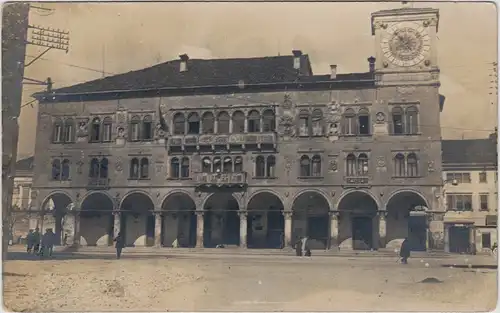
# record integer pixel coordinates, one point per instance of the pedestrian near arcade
(119, 245)
(404, 252)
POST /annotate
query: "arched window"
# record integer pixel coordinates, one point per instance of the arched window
(399, 165)
(412, 165)
(207, 123)
(103, 172)
(135, 123)
(316, 165)
(193, 123)
(238, 165)
(270, 166)
(351, 165)
(268, 121)
(363, 121)
(95, 134)
(317, 122)
(228, 165)
(58, 125)
(56, 169)
(253, 122)
(304, 123)
(107, 123)
(185, 167)
(349, 124)
(65, 170)
(305, 166)
(69, 130)
(397, 121)
(223, 123)
(206, 165)
(94, 168)
(260, 166)
(147, 127)
(412, 120)
(134, 168)
(362, 165)
(217, 165)
(174, 168)
(144, 168)
(238, 122)
(179, 124)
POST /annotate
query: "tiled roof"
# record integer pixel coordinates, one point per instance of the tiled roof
(469, 152)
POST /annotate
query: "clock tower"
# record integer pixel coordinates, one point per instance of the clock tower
(405, 45)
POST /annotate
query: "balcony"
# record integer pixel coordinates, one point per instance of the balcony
(97, 183)
(221, 179)
(354, 181)
(213, 140)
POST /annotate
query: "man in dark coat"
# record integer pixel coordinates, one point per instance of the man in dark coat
(120, 243)
(404, 252)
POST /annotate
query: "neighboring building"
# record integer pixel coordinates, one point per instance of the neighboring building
(252, 152)
(21, 198)
(470, 175)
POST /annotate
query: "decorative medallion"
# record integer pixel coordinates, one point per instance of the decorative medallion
(159, 131)
(121, 132)
(79, 166)
(288, 164)
(287, 102)
(82, 128)
(119, 164)
(430, 166)
(286, 125)
(380, 118)
(380, 161)
(332, 165)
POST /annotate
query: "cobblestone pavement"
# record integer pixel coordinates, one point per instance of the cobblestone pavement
(96, 282)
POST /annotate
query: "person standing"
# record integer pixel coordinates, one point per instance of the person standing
(36, 241)
(119, 245)
(404, 252)
(48, 240)
(29, 241)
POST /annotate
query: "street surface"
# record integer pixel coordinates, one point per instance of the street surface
(91, 281)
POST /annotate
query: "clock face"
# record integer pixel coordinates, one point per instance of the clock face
(406, 44)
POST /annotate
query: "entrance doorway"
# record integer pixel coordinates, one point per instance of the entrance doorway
(417, 232)
(362, 233)
(311, 218)
(265, 223)
(221, 221)
(459, 239)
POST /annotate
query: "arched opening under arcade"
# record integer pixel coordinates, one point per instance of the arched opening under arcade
(221, 220)
(137, 220)
(56, 216)
(96, 220)
(406, 218)
(359, 224)
(311, 218)
(179, 221)
(265, 222)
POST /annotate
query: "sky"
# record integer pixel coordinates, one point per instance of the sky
(119, 37)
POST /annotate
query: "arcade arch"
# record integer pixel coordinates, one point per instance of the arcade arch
(221, 220)
(311, 218)
(56, 207)
(137, 219)
(265, 221)
(178, 221)
(96, 220)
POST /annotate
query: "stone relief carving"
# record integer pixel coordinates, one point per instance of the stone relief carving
(380, 118)
(286, 125)
(119, 164)
(288, 164)
(159, 131)
(121, 132)
(83, 128)
(405, 89)
(287, 102)
(380, 161)
(332, 165)
(430, 166)
(333, 118)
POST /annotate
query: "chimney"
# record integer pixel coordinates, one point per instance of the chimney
(296, 59)
(371, 63)
(184, 59)
(333, 71)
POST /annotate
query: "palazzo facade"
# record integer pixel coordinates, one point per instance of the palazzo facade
(251, 152)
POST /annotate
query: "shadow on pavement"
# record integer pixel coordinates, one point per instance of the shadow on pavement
(485, 266)
(23, 256)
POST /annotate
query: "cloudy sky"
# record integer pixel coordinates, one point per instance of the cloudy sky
(119, 37)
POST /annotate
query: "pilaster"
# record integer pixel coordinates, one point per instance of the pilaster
(334, 229)
(288, 228)
(158, 230)
(382, 229)
(199, 228)
(243, 228)
(116, 223)
(438, 236)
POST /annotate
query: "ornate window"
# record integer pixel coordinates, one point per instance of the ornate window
(174, 168)
(317, 122)
(69, 130)
(227, 167)
(56, 169)
(459, 202)
(179, 124)
(238, 165)
(144, 168)
(399, 165)
(193, 123)
(405, 122)
(107, 124)
(253, 122)
(305, 166)
(207, 122)
(270, 166)
(135, 128)
(103, 171)
(304, 123)
(206, 165)
(238, 122)
(268, 121)
(58, 128)
(217, 165)
(349, 124)
(412, 120)
(260, 166)
(65, 170)
(363, 122)
(316, 165)
(185, 167)
(95, 134)
(397, 121)
(94, 168)
(362, 165)
(223, 123)
(412, 165)
(351, 165)
(134, 168)
(147, 127)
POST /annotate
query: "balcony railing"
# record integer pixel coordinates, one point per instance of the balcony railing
(222, 140)
(98, 183)
(221, 179)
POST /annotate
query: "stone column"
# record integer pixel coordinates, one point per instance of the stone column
(199, 229)
(382, 228)
(158, 230)
(288, 228)
(243, 228)
(116, 223)
(334, 229)
(76, 239)
(446, 238)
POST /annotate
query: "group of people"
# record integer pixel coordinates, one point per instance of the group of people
(38, 244)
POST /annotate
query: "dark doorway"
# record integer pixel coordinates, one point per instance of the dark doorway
(362, 233)
(111, 227)
(417, 232)
(150, 231)
(459, 239)
(317, 228)
(192, 230)
(275, 227)
(232, 228)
